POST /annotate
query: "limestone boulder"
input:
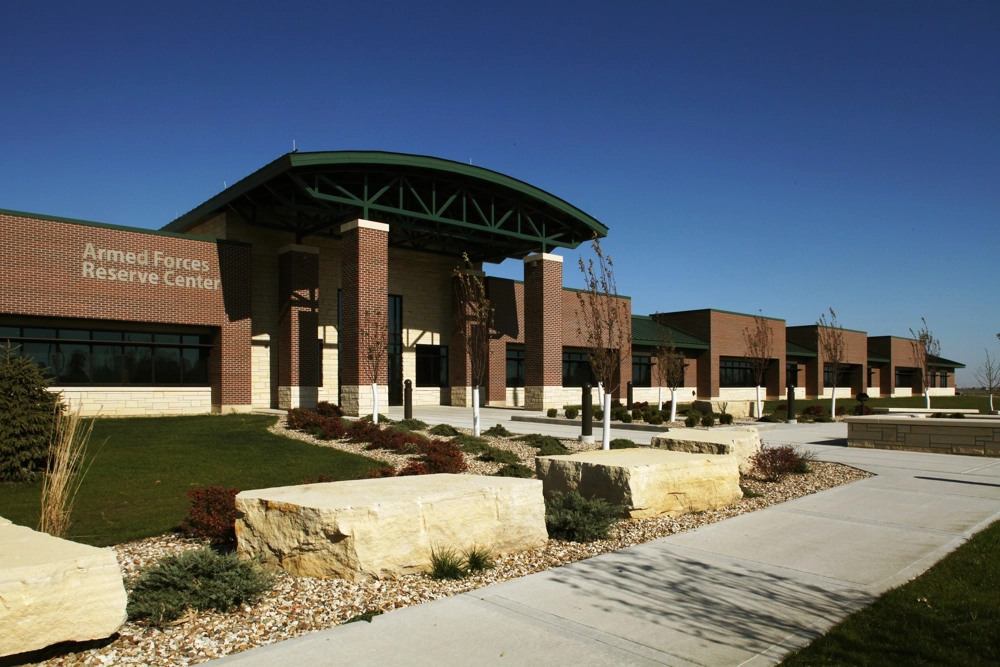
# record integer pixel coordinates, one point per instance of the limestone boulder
(382, 528)
(744, 443)
(648, 482)
(53, 590)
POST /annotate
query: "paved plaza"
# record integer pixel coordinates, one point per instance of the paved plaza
(739, 592)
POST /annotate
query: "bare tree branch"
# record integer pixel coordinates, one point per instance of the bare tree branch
(834, 349)
(474, 319)
(924, 347)
(374, 335)
(602, 325)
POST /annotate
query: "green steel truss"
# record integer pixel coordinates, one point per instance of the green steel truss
(430, 204)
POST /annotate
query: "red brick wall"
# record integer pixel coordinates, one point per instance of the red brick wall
(543, 323)
(43, 273)
(364, 285)
(298, 317)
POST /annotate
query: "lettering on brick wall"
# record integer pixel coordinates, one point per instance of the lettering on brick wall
(147, 268)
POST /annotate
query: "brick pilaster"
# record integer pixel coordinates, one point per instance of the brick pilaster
(229, 363)
(298, 324)
(496, 373)
(543, 330)
(364, 280)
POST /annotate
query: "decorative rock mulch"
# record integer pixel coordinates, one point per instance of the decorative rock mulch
(298, 605)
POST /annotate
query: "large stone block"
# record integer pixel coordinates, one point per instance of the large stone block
(648, 482)
(744, 443)
(378, 528)
(53, 590)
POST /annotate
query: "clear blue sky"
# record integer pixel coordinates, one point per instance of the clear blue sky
(782, 157)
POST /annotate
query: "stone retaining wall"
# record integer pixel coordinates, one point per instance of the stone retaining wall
(976, 437)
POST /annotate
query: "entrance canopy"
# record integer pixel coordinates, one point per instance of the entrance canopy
(430, 204)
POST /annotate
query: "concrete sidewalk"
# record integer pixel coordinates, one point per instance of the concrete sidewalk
(739, 592)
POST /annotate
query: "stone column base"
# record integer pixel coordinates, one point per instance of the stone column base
(461, 397)
(229, 409)
(356, 401)
(542, 398)
(297, 397)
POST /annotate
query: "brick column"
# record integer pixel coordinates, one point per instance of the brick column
(364, 283)
(496, 374)
(229, 365)
(543, 331)
(298, 326)
(459, 361)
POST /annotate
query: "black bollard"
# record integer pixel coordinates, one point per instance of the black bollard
(790, 419)
(408, 400)
(628, 396)
(587, 413)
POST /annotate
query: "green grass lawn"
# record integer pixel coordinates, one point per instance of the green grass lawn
(943, 403)
(950, 615)
(136, 486)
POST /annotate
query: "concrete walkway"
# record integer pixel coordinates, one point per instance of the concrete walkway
(739, 592)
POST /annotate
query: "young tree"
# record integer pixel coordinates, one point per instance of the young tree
(603, 326)
(669, 370)
(988, 375)
(925, 348)
(374, 336)
(759, 341)
(475, 320)
(834, 349)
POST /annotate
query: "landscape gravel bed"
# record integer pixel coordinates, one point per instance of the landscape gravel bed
(298, 605)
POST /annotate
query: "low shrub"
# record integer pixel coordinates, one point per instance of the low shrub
(637, 413)
(441, 456)
(692, 420)
(412, 468)
(781, 406)
(327, 409)
(515, 470)
(708, 420)
(362, 431)
(622, 443)
(545, 444)
(447, 564)
(382, 419)
(620, 413)
(385, 471)
(201, 580)
(773, 464)
(497, 455)
(478, 559)
(571, 413)
(780, 416)
(392, 440)
(866, 410)
(749, 493)
(331, 428)
(320, 479)
(412, 424)
(552, 412)
(598, 414)
(726, 419)
(443, 430)
(841, 410)
(814, 410)
(470, 444)
(570, 516)
(822, 418)
(301, 419)
(642, 405)
(626, 418)
(212, 514)
(655, 420)
(498, 431)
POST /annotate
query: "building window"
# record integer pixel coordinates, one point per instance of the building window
(904, 378)
(515, 368)
(944, 379)
(432, 365)
(87, 357)
(843, 381)
(642, 371)
(736, 374)
(576, 370)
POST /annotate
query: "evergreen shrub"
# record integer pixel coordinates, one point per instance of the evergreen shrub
(515, 470)
(571, 517)
(28, 409)
(497, 431)
(571, 413)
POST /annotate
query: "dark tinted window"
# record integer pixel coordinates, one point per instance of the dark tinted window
(642, 371)
(432, 366)
(736, 374)
(576, 370)
(515, 368)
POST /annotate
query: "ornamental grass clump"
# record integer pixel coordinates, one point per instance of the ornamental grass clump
(571, 517)
(447, 564)
(478, 559)
(200, 580)
(64, 471)
(27, 408)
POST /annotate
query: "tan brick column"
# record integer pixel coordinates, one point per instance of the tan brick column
(364, 283)
(543, 331)
(298, 325)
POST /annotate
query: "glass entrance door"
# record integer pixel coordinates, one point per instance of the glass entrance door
(395, 351)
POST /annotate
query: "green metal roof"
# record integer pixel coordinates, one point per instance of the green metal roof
(941, 362)
(430, 204)
(878, 358)
(647, 331)
(727, 312)
(796, 350)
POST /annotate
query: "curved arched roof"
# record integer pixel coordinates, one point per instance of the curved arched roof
(430, 204)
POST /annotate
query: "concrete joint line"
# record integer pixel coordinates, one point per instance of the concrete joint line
(871, 522)
(586, 631)
(988, 465)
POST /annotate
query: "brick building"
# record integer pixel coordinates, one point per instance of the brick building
(273, 293)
